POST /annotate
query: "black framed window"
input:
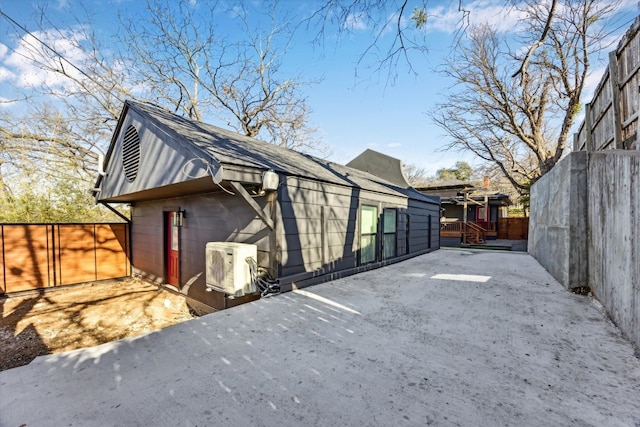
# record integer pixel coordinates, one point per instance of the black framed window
(368, 233)
(389, 230)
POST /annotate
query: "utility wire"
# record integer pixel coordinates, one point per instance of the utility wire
(10, 19)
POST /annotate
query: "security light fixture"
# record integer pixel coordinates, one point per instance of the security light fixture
(270, 181)
(178, 218)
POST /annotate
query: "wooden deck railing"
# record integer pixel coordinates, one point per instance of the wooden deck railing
(506, 228)
(451, 227)
(474, 232)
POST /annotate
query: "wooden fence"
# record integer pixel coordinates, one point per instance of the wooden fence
(513, 228)
(37, 256)
(611, 118)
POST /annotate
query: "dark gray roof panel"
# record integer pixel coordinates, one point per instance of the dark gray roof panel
(233, 149)
(380, 165)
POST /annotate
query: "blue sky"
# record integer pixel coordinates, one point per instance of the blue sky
(352, 113)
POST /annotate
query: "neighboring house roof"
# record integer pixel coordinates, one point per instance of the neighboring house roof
(380, 165)
(446, 189)
(228, 148)
(452, 192)
(496, 199)
(446, 184)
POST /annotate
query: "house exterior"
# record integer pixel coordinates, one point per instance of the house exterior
(482, 203)
(189, 183)
(483, 209)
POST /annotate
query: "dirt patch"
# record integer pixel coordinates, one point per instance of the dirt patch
(83, 316)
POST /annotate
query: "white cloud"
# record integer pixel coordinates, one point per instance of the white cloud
(504, 17)
(591, 83)
(450, 19)
(355, 22)
(394, 145)
(6, 75)
(22, 63)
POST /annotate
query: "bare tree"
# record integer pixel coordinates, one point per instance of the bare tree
(68, 117)
(394, 26)
(514, 106)
(43, 143)
(380, 18)
(184, 64)
(176, 60)
(291, 129)
(414, 174)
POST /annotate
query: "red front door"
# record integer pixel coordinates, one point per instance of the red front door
(172, 242)
(481, 214)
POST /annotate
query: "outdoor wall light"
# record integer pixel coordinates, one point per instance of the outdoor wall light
(178, 218)
(270, 181)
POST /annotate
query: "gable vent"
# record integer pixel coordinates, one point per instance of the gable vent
(131, 153)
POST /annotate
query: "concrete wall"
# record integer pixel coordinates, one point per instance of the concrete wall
(614, 246)
(557, 224)
(585, 229)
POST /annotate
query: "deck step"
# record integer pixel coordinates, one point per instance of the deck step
(488, 247)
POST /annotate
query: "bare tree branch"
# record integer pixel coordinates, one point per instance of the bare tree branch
(525, 61)
(522, 125)
(238, 79)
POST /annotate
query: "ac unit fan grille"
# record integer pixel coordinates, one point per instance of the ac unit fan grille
(218, 268)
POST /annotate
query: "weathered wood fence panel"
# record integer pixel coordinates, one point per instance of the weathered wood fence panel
(114, 262)
(26, 257)
(37, 256)
(513, 228)
(611, 118)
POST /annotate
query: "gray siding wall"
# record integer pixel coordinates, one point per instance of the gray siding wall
(316, 230)
(424, 219)
(451, 242)
(318, 225)
(454, 211)
(208, 218)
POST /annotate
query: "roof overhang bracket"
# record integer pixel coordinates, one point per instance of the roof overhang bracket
(115, 211)
(240, 191)
(475, 202)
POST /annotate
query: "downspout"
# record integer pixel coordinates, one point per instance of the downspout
(101, 174)
(101, 171)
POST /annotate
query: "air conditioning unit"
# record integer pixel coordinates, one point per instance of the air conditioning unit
(227, 270)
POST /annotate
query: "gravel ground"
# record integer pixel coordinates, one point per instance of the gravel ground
(82, 316)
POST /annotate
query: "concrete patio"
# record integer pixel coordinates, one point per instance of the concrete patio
(455, 337)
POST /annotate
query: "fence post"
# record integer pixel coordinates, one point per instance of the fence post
(615, 100)
(54, 256)
(587, 128)
(3, 285)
